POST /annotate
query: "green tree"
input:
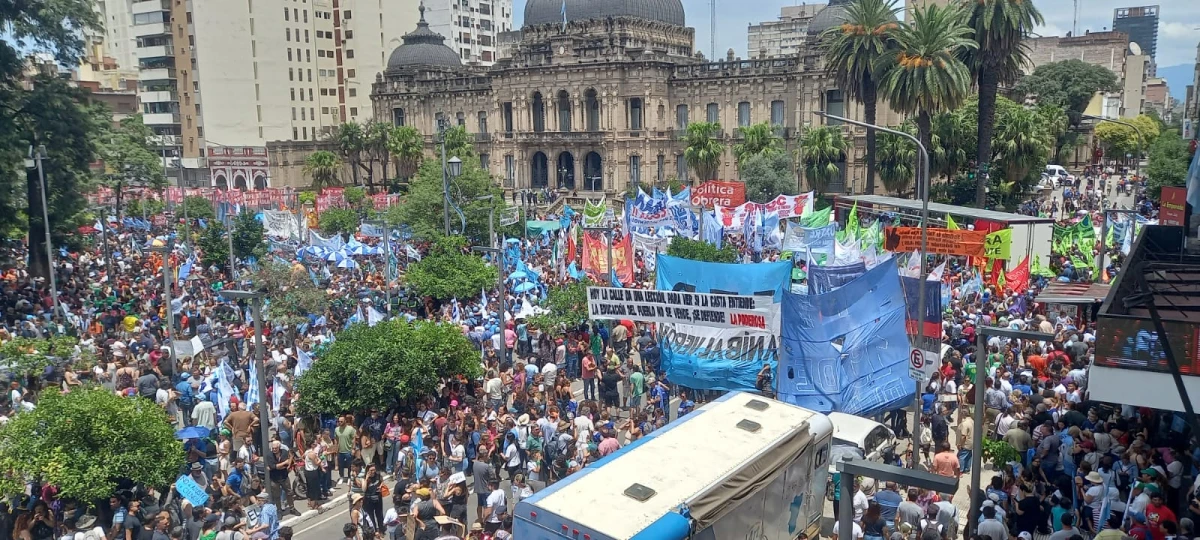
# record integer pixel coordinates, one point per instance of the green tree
(146, 206)
(1022, 144)
(248, 237)
(406, 145)
(459, 143)
(30, 356)
(702, 150)
(214, 246)
(953, 139)
(351, 141)
(1168, 163)
(338, 221)
(821, 149)
(375, 146)
(767, 176)
(86, 441)
(1120, 140)
(392, 361)
(1000, 28)
(128, 159)
(925, 74)
(897, 160)
(197, 208)
(449, 272)
(698, 250)
(291, 293)
(356, 197)
(307, 197)
(323, 168)
(1068, 84)
(758, 139)
(852, 52)
(421, 209)
(566, 307)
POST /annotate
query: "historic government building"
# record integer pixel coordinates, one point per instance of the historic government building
(603, 99)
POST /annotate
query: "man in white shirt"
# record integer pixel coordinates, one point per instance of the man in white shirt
(494, 388)
(495, 508)
(858, 533)
(860, 500)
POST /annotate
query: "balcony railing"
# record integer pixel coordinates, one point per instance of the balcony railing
(559, 136)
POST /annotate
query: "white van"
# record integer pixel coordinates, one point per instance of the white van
(861, 438)
(1059, 175)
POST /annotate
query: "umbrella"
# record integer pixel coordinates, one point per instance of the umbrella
(363, 249)
(336, 257)
(313, 251)
(524, 287)
(513, 241)
(194, 432)
(347, 263)
(518, 275)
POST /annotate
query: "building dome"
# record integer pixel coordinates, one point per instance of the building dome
(551, 11)
(830, 16)
(423, 47)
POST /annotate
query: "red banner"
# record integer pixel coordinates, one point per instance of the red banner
(595, 258)
(175, 195)
(1017, 279)
(721, 193)
(1171, 212)
(383, 201)
(940, 241)
(331, 197)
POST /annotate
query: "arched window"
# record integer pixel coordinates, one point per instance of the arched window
(538, 110)
(593, 110)
(564, 111)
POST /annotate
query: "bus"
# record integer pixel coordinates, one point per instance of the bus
(743, 466)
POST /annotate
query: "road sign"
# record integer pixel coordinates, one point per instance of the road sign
(921, 364)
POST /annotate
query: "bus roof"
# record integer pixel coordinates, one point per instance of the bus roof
(679, 462)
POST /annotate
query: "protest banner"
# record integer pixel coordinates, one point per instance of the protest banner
(941, 241)
(191, 491)
(716, 192)
(682, 307)
(790, 206)
(595, 258)
(998, 245)
(824, 279)
(595, 214)
(279, 223)
(331, 197)
(814, 239)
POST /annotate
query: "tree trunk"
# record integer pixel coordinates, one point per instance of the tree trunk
(989, 83)
(924, 120)
(120, 188)
(387, 160)
(869, 104)
(354, 165)
(39, 263)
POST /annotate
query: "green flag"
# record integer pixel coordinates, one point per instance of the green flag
(852, 225)
(950, 224)
(816, 218)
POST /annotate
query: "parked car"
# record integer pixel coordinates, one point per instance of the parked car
(1059, 175)
(861, 438)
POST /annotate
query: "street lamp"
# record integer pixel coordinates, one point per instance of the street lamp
(981, 338)
(36, 161)
(923, 187)
(165, 252)
(264, 409)
(455, 167)
(450, 170)
(498, 250)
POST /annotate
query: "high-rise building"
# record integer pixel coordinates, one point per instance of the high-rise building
(785, 36)
(470, 26)
(1141, 23)
(220, 78)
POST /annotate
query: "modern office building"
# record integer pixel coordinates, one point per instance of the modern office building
(785, 36)
(470, 26)
(1141, 23)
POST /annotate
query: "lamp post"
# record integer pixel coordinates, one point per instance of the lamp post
(450, 170)
(923, 186)
(264, 409)
(498, 250)
(165, 252)
(36, 161)
(387, 262)
(981, 338)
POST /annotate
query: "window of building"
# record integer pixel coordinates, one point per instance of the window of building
(681, 117)
(482, 117)
(303, 115)
(466, 54)
(306, 36)
(507, 116)
(483, 162)
(288, 33)
(304, 132)
(346, 15)
(291, 75)
(777, 112)
(353, 111)
(439, 121)
(538, 112)
(681, 168)
(510, 170)
(286, 15)
(635, 169)
(712, 113)
(324, 110)
(460, 119)
(293, 94)
(350, 73)
(635, 113)
(289, 54)
(398, 116)
(563, 104)
(743, 114)
(310, 94)
(296, 133)
(349, 53)
(349, 34)
(835, 104)
(301, 94)
(296, 14)
(660, 171)
(308, 55)
(293, 114)
(312, 115)
(305, 12)
(353, 92)
(310, 75)
(592, 106)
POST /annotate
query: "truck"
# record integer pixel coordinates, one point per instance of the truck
(742, 466)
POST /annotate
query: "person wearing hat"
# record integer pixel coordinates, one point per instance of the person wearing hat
(87, 529)
(457, 494)
(208, 528)
(267, 525)
(427, 509)
(231, 529)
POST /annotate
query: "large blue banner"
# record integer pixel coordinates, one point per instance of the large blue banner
(823, 279)
(847, 350)
(709, 358)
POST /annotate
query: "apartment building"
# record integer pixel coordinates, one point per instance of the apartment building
(220, 78)
(470, 27)
(785, 36)
(1111, 50)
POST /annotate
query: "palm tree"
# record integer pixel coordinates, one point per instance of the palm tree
(322, 167)
(702, 150)
(407, 146)
(821, 149)
(951, 138)
(1000, 29)
(924, 74)
(351, 142)
(375, 143)
(757, 139)
(1023, 140)
(852, 51)
(897, 160)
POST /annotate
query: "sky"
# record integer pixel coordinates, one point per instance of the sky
(1178, 32)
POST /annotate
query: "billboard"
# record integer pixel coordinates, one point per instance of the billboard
(1171, 213)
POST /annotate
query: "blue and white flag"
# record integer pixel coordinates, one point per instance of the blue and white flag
(185, 270)
(713, 232)
(1192, 183)
(564, 15)
(412, 253)
(616, 282)
(224, 387)
(277, 391)
(303, 362)
(374, 231)
(252, 396)
(374, 317)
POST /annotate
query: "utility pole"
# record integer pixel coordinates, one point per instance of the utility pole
(498, 250)
(38, 153)
(264, 408)
(165, 251)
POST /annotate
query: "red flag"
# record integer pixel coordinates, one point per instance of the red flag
(1018, 278)
(571, 244)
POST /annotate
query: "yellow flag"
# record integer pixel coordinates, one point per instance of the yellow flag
(950, 224)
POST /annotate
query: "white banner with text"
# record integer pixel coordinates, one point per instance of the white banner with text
(680, 307)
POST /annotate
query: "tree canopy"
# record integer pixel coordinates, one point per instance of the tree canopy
(378, 367)
(248, 236)
(291, 292)
(698, 250)
(1168, 163)
(1120, 140)
(767, 176)
(85, 441)
(128, 158)
(214, 248)
(1068, 84)
(338, 221)
(567, 307)
(447, 272)
(421, 209)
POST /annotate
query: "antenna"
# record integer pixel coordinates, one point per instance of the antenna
(712, 30)
(1075, 19)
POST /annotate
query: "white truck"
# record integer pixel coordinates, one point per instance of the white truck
(743, 466)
